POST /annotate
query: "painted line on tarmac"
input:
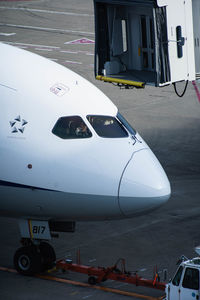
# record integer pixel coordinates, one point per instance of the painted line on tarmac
(97, 287)
(31, 45)
(48, 48)
(84, 41)
(86, 297)
(7, 270)
(7, 34)
(23, 47)
(42, 49)
(69, 51)
(47, 11)
(78, 283)
(59, 30)
(73, 62)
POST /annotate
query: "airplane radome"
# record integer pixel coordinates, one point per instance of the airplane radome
(66, 154)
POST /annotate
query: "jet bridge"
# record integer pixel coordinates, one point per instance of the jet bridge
(154, 42)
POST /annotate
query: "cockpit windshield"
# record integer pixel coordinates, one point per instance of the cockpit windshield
(71, 128)
(130, 129)
(107, 127)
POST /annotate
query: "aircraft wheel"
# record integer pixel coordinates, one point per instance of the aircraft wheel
(27, 260)
(48, 255)
(92, 280)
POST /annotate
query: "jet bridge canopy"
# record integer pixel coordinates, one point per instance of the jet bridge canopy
(144, 41)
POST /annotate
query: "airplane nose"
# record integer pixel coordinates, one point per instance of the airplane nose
(144, 185)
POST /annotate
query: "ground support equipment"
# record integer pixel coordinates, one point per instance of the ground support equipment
(101, 274)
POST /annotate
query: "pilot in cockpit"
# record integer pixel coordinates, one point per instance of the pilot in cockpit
(82, 130)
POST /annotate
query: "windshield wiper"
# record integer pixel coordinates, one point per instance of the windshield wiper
(134, 137)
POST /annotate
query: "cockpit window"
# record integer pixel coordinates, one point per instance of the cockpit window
(126, 124)
(71, 128)
(108, 127)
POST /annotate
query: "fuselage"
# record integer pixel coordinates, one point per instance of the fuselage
(65, 151)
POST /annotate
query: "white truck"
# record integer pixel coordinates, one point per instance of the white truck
(185, 285)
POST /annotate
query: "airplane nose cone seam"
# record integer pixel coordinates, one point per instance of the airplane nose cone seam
(143, 184)
(118, 196)
(120, 184)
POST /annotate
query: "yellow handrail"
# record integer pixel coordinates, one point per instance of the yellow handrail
(122, 81)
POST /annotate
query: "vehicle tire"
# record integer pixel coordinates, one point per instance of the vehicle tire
(48, 256)
(92, 280)
(27, 260)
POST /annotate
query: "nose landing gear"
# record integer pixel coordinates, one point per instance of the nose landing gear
(31, 259)
(36, 255)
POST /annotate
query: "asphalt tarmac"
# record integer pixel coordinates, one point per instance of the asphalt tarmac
(170, 125)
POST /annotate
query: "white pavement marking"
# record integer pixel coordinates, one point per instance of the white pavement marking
(46, 29)
(23, 47)
(31, 45)
(86, 297)
(50, 49)
(143, 270)
(68, 51)
(47, 11)
(42, 49)
(7, 34)
(92, 260)
(85, 41)
(73, 62)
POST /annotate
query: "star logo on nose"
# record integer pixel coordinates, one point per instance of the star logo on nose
(18, 125)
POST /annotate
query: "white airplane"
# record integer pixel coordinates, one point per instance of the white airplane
(66, 155)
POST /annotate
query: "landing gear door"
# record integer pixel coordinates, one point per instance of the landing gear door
(35, 229)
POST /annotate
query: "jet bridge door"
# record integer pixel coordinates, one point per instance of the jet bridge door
(196, 27)
(147, 41)
(131, 41)
(180, 40)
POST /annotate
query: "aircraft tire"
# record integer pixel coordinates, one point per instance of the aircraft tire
(92, 280)
(27, 260)
(48, 256)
